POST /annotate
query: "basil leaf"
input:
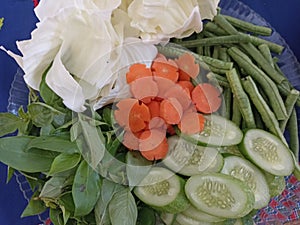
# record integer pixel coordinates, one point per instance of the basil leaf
(9, 123)
(10, 173)
(86, 189)
(64, 162)
(123, 208)
(56, 184)
(40, 114)
(13, 154)
(53, 143)
(56, 217)
(89, 140)
(34, 207)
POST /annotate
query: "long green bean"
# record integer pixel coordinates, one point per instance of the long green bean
(249, 27)
(218, 79)
(263, 108)
(265, 82)
(241, 98)
(265, 51)
(236, 113)
(292, 127)
(289, 104)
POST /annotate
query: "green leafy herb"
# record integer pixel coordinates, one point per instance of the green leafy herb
(34, 207)
(63, 162)
(86, 189)
(9, 123)
(13, 154)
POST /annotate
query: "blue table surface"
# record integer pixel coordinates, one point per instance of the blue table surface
(284, 16)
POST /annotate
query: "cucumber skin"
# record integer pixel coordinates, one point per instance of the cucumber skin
(180, 203)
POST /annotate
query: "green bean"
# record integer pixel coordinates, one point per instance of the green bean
(227, 94)
(262, 107)
(249, 27)
(207, 51)
(218, 79)
(223, 23)
(265, 51)
(241, 98)
(216, 52)
(217, 63)
(217, 40)
(258, 120)
(236, 113)
(292, 127)
(263, 63)
(223, 55)
(285, 92)
(260, 77)
(199, 49)
(214, 28)
(289, 105)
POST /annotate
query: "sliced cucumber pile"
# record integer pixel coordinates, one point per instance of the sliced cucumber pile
(189, 159)
(247, 172)
(218, 131)
(268, 152)
(220, 195)
(163, 190)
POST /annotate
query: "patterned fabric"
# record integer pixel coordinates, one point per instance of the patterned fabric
(284, 208)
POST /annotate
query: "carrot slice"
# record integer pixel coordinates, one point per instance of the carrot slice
(121, 114)
(206, 98)
(171, 110)
(187, 66)
(131, 140)
(153, 144)
(139, 117)
(191, 123)
(144, 89)
(154, 107)
(163, 85)
(137, 71)
(180, 94)
(160, 57)
(165, 68)
(157, 153)
(186, 84)
(157, 122)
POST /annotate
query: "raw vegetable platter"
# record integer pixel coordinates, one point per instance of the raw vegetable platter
(283, 208)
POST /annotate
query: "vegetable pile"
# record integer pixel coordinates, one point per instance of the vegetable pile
(201, 140)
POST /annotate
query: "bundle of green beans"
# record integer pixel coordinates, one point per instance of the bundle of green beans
(256, 92)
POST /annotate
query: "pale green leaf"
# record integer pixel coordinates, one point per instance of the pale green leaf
(63, 162)
(9, 123)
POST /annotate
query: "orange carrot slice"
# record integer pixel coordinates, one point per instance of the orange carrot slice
(139, 117)
(186, 84)
(171, 110)
(160, 57)
(153, 145)
(131, 140)
(163, 85)
(206, 98)
(154, 107)
(180, 94)
(157, 123)
(157, 153)
(121, 114)
(165, 68)
(187, 66)
(191, 123)
(137, 71)
(144, 89)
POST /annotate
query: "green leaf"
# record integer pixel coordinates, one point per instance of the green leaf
(54, 143)
(13, 154)
(66, 200)
(63, 162)
(89, 140)
(108, 190)
(10, 173)
(34, 207)
(86, 189)
(9, 123)
(40, 114)
(123, 208)
(56, 216)
(54, 187)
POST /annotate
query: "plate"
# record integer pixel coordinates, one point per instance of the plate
(282, 208)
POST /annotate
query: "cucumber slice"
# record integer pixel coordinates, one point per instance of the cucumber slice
(186, 220)
(268, 152)
(218, 131)
(247, 172)
(201, 216)
(189, 159)
(220, 195)
(163, 190)
(168, 218)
